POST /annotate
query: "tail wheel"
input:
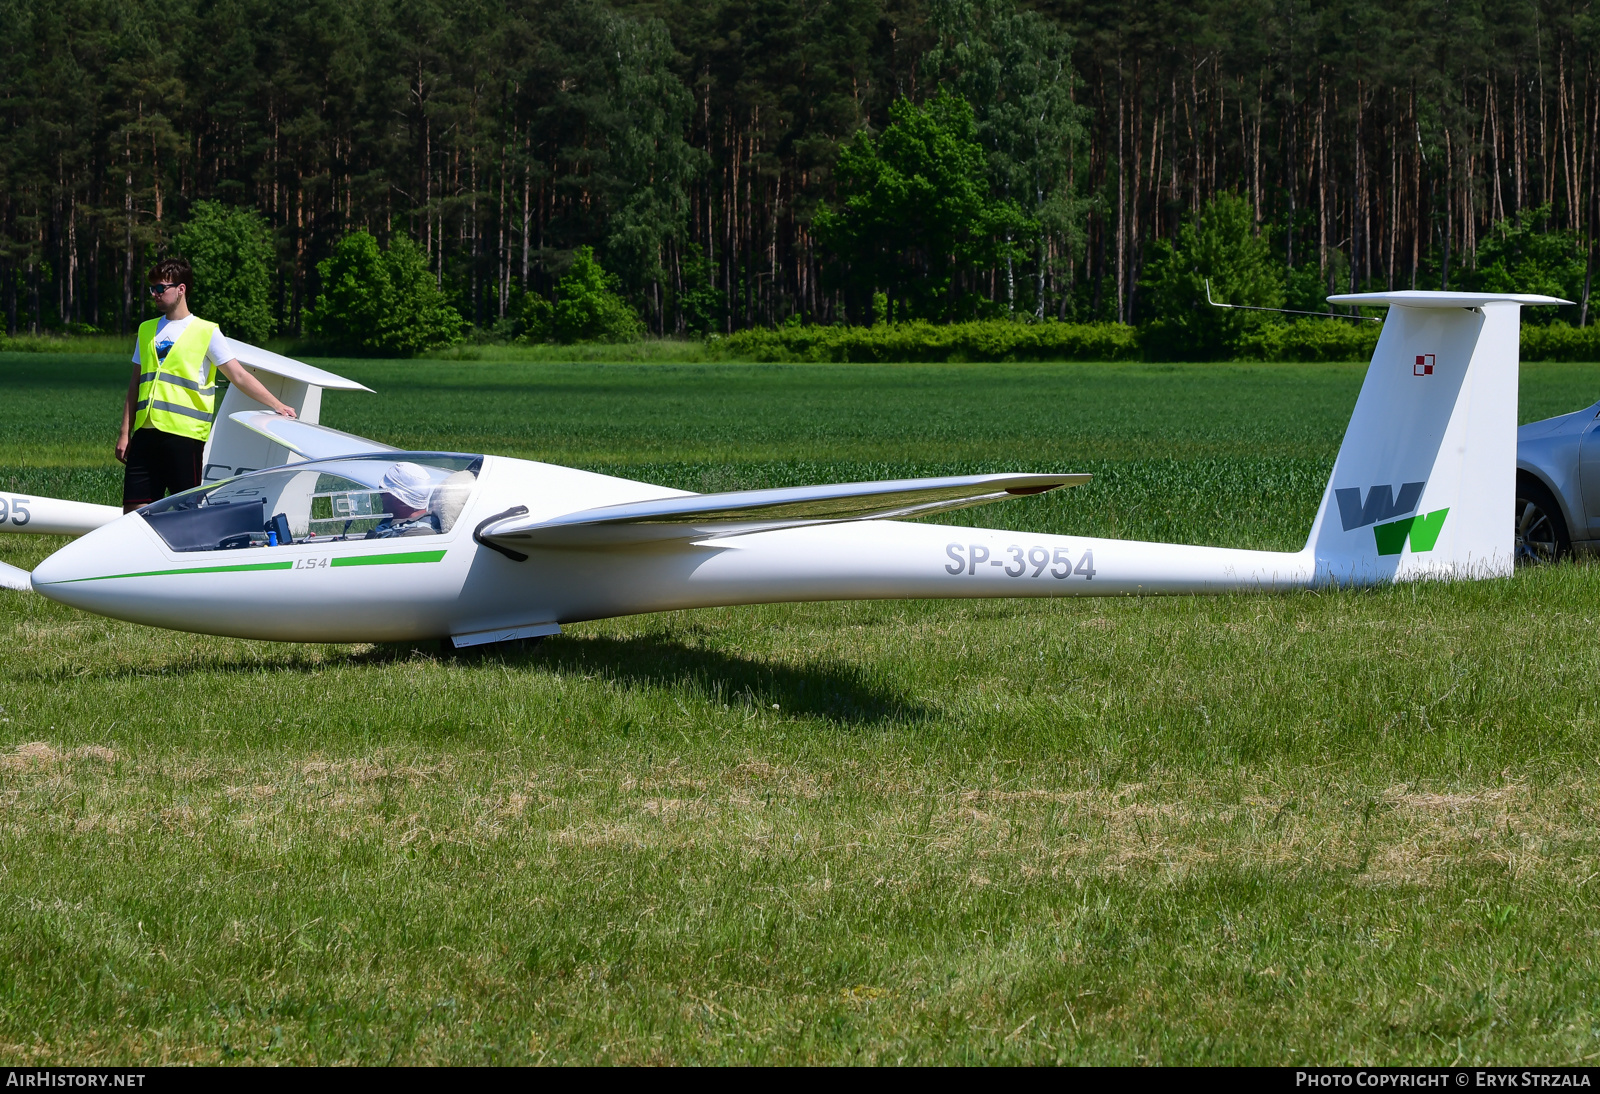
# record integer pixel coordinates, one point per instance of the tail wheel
(1541, 531)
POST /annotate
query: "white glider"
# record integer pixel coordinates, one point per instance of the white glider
(349, 540)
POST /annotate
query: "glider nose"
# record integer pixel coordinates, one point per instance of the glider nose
(77, 574)
(69, 565)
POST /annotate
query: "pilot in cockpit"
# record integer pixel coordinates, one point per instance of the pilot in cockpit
(406, 491)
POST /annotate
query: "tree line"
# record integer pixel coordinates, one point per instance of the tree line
(730, 162)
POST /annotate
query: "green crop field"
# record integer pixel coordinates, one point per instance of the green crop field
(1333, 827)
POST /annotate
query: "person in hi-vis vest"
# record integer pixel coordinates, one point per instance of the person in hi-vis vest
(172, 395)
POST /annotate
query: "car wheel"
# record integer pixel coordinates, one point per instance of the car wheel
(1541, 531)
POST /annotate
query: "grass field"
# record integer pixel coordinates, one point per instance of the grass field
(1345, 827)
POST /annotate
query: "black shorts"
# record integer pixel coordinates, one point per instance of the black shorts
(159, 464)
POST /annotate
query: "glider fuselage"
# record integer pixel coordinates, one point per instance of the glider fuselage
(345, 539)
(452, 585)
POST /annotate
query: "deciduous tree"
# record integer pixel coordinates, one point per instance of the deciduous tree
(380, 303)
(1218, 247)
(916, 217)
(233, 260)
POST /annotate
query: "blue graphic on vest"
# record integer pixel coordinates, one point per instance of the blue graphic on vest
(1381, 504)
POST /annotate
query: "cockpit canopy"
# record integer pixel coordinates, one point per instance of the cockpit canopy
(381, 496)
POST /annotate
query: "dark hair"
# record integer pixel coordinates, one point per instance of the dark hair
(174, 271)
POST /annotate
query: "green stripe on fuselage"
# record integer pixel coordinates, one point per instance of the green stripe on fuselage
(399, 559)
(199, 570)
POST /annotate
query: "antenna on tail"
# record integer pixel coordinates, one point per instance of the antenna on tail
(1290, 311)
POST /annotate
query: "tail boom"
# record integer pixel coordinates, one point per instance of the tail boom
(885, 560)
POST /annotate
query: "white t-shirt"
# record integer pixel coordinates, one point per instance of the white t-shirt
(167, 332)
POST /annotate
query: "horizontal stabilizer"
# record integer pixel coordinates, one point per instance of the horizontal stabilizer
(1427, 298)
(52, 516)
(311, 442)
(13, 578)
(704, 516)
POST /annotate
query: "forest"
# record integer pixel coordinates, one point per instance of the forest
(738, 164)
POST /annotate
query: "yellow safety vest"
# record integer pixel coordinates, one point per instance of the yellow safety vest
(177, 395)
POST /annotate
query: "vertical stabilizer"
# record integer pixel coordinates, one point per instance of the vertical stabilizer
(233, 449)
(1425, 481)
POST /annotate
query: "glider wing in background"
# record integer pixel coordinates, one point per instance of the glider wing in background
(308, 441)
(234, 448)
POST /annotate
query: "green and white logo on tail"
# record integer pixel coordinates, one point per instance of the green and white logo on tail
(1422, 531)
(1381, 504)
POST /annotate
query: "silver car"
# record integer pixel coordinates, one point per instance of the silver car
(1558, 487)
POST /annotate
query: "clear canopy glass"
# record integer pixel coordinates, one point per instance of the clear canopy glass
(380, 496)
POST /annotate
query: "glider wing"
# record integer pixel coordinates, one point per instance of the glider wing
(12, 577)
(709, 516)
(308, 441)
(234, 449)
(52, 516)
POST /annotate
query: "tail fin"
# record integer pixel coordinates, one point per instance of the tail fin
(233, 449)
(1425, 481)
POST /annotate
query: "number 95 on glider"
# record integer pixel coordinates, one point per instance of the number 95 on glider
(304, 533)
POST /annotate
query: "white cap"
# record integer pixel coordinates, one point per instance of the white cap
(409, 483)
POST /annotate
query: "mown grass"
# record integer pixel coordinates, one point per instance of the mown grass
(1348, 827)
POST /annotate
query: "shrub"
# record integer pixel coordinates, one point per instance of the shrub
(586, 307)
(1008, 340)
(983, 340)
(1559, 342)
(1344, 340)
(231, 252)
(1309, 340)
(380, 303)
(535, 315)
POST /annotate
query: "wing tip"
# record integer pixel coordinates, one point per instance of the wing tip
(259, 357)
(1076, 479)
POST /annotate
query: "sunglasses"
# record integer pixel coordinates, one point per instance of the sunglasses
(161, 286)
